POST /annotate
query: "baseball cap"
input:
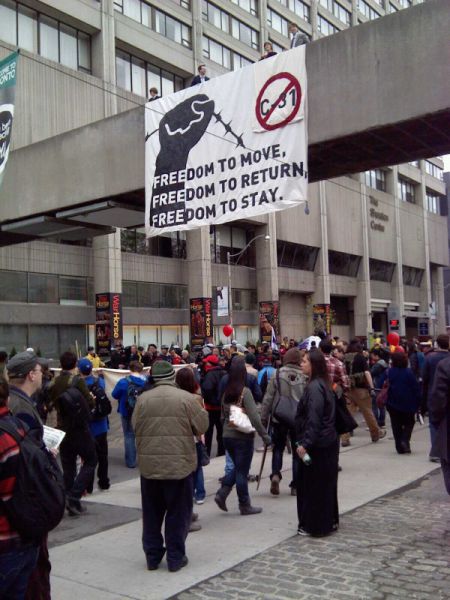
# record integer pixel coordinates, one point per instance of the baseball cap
(22, 363)
(84, 366)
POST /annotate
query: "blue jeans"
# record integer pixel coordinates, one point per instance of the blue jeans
(199, 481)
(433, 435)
(130, 442)
(229, 465)
(378, 413)
(16, 567)
(241, 453)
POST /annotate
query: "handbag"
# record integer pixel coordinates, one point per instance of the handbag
(203, 455)
(239, 419)
(285, 409)
(382, 396)
(344, 421)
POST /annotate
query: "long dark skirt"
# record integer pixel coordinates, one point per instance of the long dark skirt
(317, 502)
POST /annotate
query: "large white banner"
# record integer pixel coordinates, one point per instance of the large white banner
(233, 147)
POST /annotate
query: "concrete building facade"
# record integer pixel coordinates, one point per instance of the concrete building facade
(372, 245)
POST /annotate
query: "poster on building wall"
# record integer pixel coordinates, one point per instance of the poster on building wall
(108, 321)
(269, 322)
(322, 318)
(201, 321)
(222, 301)
(8, 77)
(230, 148)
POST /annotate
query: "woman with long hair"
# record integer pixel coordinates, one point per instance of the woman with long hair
(185, 380)
(238, 444)
(318, 449)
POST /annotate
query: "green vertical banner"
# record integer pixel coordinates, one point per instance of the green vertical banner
(8, 77)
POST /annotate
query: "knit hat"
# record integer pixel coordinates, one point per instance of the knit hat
(162, 371)
(292, 357)
(84, 366)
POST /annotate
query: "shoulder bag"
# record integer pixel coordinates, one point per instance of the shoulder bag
(239, 419)
(345, 423)
(382, 396)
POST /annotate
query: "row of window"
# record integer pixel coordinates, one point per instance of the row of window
(222, 55)
(169, 245)
(155, 19)
(48, 340)
(138, 76)
(406, 190)
(44, 288)
(36, 32)
(434, 170)
(367, 10)
(381, 270)
(242, 299)
(376, 179)
(298, 7)
(433, 202)
(226, 239)
(142, 294)
(251, 6)
(338, 10)
(224, 21)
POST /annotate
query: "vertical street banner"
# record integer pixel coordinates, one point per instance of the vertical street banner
(201, 324)
(322, 318)
(108, 321)
(8, 77)
(223, 309)
(230, 148)
(269, 322)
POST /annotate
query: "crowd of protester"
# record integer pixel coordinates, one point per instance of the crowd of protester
(172, 410)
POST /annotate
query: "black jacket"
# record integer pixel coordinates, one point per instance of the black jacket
(439, 409)
(197, 79)
(210, 386)
(315, 420)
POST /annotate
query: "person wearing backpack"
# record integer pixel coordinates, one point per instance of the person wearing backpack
(74, 403)
(100, 424)
(288, 381)
(126, 392)
(25, 371)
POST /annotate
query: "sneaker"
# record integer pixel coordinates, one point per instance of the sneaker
(345, 443)
(175, 568)
(200, 501)
(382, 434)
(194, 526)
(434, 459)
(293, 491)
(301, 531)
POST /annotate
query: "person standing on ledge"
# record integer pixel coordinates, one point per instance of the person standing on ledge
(201, 77)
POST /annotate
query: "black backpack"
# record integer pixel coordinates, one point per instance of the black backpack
(38, 501)
(133, 391)
(74, 407)
(103, 405)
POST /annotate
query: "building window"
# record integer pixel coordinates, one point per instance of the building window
(183, 3)
(325, 27)
(376, 179)
(277, 48)
(143, 294)
(380, 270)
(243, 299)
(14, 286)
(73, 290)
(296, 256)
(406, 190)
(433, 202)
(434, 170)
(232, 239)
(391, 8)
(298, 7)
(42, 288)
(168, 245)
(412, 276)
(341, 263)
(337, 10)
(341, 310)
(405, 3)
(414, 163)
(223, 55)
(138, 76)
(251, 6)
(224, 21)
(367, 10)
(277, 22)
(155, 19)
(36, 32)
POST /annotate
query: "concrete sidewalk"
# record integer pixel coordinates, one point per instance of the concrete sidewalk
(110, 564)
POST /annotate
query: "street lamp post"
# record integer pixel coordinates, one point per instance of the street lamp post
(238, 255)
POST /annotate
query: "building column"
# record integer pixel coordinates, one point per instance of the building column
(198, 260)
(266, 261)
(362, 303)
(197, 34)
(398, 295)
(322, 285)
(426, 288)
(104, 56)
(314, 19)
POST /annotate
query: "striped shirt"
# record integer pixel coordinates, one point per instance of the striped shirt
(9, 458)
